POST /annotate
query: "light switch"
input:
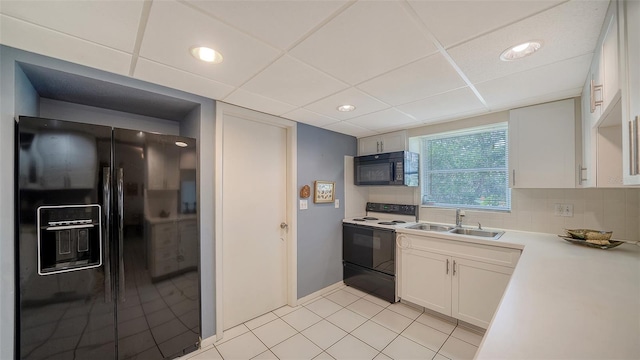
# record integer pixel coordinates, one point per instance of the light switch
(337, 203)
(304, 205)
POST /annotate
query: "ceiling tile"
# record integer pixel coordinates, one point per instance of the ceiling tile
(294, 82)
(349, 129)
(171, 77)
(367, 39)
(439, 107)
(568, 30)
(280, 23)
(364, 104)
(473, 18)
(309, 117)
(383, 120)
(257, 102)
(173, 28)
(117, 21)
(29, 37)
(555, 81)
(423, 78)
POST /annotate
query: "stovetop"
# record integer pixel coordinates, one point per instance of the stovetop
(388, 216)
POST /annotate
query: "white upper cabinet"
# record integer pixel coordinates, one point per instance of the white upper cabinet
(542, 146)
(163, 170)
(629, 19)
(394, 141)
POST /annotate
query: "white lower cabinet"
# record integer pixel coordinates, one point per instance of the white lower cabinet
(464, 281)
(173, 247)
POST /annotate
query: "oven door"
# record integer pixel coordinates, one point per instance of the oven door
(369, 247)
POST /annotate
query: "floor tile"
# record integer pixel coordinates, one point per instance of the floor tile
(342, 297)
(350, 348)
(392, 320)
(209, 354)
(375, 335)
(440, 357)
(232, 333)
(324, 334)
(166, 331)
(405, 310)
(347, 320)
(425, 336)
(323, 307)
(436, 323)
(274, 332)
(365, 308)
(244, 346)
(297, 347)
(267, 355)
(323, 356)
(260, 320)
(467, 335)
(285, 310)
(456, 349)
(382, 356)
(355, 291)
(301, 318)
(377, 300)
(403, 348)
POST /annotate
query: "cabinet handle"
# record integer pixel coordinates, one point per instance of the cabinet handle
(633, 146)
(580, 170)
(454, 268)
(595, 102)
(381, 146)
(513, 177)
(447, 266)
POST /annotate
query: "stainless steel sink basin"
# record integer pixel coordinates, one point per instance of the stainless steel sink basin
(477, 232)
(430, 227)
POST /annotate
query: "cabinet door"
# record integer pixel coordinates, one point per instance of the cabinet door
(368, 145)
(630, 53)
(188, 246)
(587, 168)
(395, 141)
(610, 59)
(477, 289)
(155, 166)
(542, 146)
(164, 249)
(426, 280)
(171, 168)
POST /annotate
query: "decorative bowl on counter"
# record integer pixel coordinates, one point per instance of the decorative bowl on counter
(591, 238)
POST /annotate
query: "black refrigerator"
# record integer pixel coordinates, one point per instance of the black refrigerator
(107, 245)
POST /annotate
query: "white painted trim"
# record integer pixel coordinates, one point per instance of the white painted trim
(340, 284)
(223, 109)
(204, 343)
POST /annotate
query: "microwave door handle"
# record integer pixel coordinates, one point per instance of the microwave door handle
(106, 219)
(121, 287)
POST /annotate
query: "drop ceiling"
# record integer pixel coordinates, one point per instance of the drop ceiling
(401, 63)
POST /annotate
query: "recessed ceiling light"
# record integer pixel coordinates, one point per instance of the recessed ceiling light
(181, 144)
(521, 50)
(346, 108)
(206, 54)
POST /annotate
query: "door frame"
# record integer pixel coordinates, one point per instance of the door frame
(223, 110)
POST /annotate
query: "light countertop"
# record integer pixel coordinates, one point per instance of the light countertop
(564, 301)
(172, 218)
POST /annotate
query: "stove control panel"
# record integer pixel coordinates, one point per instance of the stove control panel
(397, 209)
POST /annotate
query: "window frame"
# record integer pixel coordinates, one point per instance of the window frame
(417, 143)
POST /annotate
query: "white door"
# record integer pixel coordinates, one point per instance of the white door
(254, 184)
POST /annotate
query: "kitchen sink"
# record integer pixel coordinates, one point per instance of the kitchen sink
(477, 232)
(494, 235)
(430, 227)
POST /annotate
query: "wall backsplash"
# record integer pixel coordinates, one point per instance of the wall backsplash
(617, 210)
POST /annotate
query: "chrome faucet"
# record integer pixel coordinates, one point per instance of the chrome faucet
(459, 216)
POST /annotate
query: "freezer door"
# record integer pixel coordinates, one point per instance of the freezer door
(158, 312)
(64, 306)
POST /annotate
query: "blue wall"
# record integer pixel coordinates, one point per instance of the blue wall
(321, 157)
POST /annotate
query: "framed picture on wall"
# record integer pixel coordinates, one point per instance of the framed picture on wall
(324, 192)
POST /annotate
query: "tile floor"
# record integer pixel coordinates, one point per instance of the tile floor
(345, 324)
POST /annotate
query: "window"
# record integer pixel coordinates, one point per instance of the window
(466, 168)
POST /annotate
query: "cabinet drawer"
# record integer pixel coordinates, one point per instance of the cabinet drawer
(165, 253)
(485, 253)
(165, 267)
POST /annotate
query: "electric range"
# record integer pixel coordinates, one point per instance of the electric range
(368, 247)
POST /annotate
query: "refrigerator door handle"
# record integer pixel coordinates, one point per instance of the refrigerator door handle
(106, 219)
(121, 286)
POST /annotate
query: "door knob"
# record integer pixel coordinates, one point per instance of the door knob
(284, 225)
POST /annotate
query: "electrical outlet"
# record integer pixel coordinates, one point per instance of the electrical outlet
(337, 203)
(304, 204)
(567, 210)
(557, 209)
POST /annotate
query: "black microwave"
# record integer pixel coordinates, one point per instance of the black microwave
(394, 168)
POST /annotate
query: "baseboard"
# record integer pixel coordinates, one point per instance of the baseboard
(320, 292)
(208, 341)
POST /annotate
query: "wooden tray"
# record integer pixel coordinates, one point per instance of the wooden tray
(612, 244)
